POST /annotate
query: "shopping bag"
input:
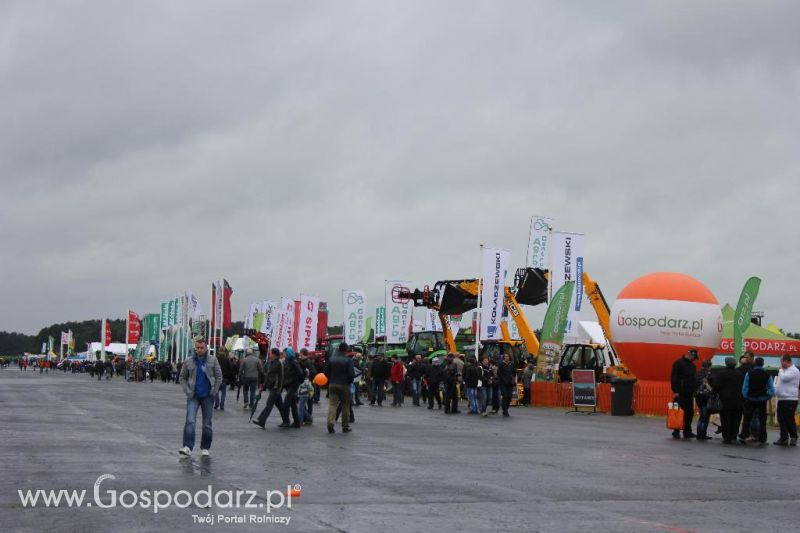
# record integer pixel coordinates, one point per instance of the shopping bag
(674, 416)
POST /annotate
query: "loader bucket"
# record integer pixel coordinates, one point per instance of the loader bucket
(531, 286)
(456, 301)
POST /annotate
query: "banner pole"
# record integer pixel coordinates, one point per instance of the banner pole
(477, 331)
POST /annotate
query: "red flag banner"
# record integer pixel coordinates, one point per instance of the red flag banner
(108, 332)
(134, 328)
(227, 291)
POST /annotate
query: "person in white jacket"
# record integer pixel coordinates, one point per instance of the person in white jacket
(786, 390)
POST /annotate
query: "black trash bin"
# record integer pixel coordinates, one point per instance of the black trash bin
(622, 396)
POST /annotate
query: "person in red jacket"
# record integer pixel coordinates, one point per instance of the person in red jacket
(396, 378)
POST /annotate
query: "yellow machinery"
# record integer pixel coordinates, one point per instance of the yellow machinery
(598, 301)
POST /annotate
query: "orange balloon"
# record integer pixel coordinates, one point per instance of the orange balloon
(321, 380)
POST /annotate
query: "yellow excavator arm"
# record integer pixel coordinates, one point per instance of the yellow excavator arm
(531, 342)
(603, 312)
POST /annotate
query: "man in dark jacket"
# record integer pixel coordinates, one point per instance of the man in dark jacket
(683, 382)
(728, 384)
(450, 377)
(341, 373)
(433, 375)
(273, 383)
(472, 374)
(757, 390)
(310, 370)
(292, 378)
(414, 376)
(379, 371)
(505, 378)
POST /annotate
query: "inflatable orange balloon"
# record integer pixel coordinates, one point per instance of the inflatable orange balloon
(321, 380)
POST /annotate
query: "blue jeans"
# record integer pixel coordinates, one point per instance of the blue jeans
(482, 399)
(472, 399)
(207, 406)
(302, 404)
(219, 397)
(415, 390)
(702, 419)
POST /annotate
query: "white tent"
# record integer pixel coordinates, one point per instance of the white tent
(115, 348)
(591, 332)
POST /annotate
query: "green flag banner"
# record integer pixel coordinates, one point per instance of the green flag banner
(258, 320)
(164, 315)
(555, 323)
(171, 313)
(367, 330)
(744, 310)
(380, 321)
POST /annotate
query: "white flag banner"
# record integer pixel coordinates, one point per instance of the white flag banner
(354, 309)
(539, 241)
(494, 271)
(432, 322)
(398, 314)
(270, 319)
(417, 326)
(307, 329)
(286, 323)
(64, 337)
(251, 315)
(195, 309)
(566, 264)
(455, 324)
(218, 304)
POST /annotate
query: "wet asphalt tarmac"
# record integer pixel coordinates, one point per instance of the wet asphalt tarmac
(401, 469)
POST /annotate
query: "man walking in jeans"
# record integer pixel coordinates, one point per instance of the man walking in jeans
(340, 372)
(200, 378)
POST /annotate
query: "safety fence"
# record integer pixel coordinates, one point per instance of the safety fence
(649, 397)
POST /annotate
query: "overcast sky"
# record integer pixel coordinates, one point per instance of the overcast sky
(147, 148)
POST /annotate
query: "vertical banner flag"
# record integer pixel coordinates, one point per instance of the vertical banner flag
(249, 320)
(432, 322)
(50, 343)
(368, 330)
(744, 312)
(398, 314)
(380, 322)
(107, 332)
(285, 325)
(269, 317)
(64, 338)
(227, 292)
(214, 299)
(538, 240)
(164, 315)
(355, 312)
(455, 324)
(555, 322)
(322, 320)
(566, 264)
(134, 328)
(494, 271)
(170, 313)
(195, 309)
(296, 326)
(307, 328)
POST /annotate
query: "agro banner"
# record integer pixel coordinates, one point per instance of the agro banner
(380, 321)
(307, 329)
(354, 309)
(566, 264)
(134, 328)
(493, 272)
(744, 312)
(555, 320)
(164, 315)
(398, 314)
(538, 241)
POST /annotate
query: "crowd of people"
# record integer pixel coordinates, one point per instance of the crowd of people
(739, 395)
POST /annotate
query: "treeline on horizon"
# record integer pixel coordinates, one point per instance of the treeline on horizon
(85, 331)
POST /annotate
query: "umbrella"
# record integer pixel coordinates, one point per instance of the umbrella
(255, 405)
